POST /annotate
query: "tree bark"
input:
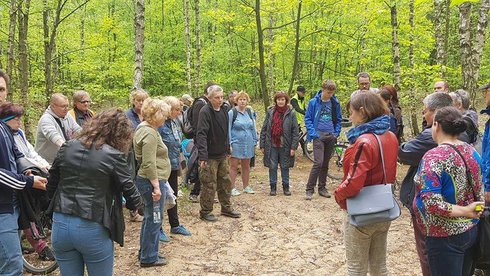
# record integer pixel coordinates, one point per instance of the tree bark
(11, 46)
(187, 46)
(139, 43)
(441, 31)
(260, 40)
(411, 65)
(270, 54)
(395, 47)
(23, 15)
(197, 77)
(296, 49)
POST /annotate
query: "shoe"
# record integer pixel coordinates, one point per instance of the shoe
(248, 190)
(273, 193)
(193, 198)
(161, 261)
(324, 193)
(163, 237)
(235, 192)
(286, 191)
(309, 195)
(231, 214)
(46, 254)
(209, 217)
(180, 230)
(135, 217)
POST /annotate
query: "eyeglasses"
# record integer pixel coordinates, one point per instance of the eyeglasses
(65, 106)
(85, 102)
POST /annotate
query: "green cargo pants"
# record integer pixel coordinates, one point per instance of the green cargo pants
(214, 178)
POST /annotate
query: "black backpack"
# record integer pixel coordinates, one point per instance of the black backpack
(235, 114)
(187, 119)
(471, 129)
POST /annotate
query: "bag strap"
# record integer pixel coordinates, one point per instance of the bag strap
(468, 174)
(382, 157)
(58, 121)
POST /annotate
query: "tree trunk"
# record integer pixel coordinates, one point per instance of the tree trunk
(260, 39)
(187, 46)
(139, 43)
(197, 78)
(411, 65)
(296, 49)
(395, 46)
(440, 31)
(23, 15)
(471, 50)
(11, 46)
(270, 54)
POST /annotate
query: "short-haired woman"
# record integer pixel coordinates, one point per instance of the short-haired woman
(137, 97)
(448, 189)
(279, 140)
(81, 107)
(171, 134)
(86, 181)
(366, 245)
(243, 139)
(154, 171)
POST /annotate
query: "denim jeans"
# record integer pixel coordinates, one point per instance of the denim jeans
(279, 157)
(366, 247)
(10, 252)
(150, 231)
(79, 242)
(451, 255)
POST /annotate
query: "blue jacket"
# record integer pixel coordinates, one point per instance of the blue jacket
(485, 168)
(173, 144)
(313, 114)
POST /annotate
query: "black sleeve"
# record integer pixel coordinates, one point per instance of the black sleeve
(411, 152)
(202, 134)
(195, 113)
(263, 130)
(294, 103)
(54, 173)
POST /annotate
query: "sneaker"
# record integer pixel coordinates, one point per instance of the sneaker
(135, 217)
(163, 236)
(235, 192)
(209, 217)
(193, 198)
(231, 214)
(324, 193)
(309, 195)
(248, 190)
(180, 230)
(161, 261)
(46, 254)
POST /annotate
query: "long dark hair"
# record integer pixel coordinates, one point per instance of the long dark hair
(111, 127)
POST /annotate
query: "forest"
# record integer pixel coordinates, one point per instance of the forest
(170, 47)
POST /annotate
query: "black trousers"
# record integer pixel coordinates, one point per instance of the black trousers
(173, 217)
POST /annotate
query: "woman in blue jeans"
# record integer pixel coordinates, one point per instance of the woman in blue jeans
(87, 180)
(448, 189)
(154, 171)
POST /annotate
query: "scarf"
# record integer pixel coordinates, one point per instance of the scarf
(277, 121)
(378, 126)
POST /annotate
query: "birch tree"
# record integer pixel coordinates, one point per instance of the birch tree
(139, 43)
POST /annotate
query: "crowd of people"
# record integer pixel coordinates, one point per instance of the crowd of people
(101, 162)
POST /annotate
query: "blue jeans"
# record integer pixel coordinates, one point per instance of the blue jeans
(451, 255)
(150, 231)
(79, 242)
(279, 157)
(10, 252)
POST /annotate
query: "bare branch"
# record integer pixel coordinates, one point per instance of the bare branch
(73, 11)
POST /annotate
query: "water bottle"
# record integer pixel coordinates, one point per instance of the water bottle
(157, 212)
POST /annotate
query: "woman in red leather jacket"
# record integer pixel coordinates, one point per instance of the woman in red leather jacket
(366, 246)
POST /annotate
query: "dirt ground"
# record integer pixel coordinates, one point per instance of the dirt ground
(275, 236)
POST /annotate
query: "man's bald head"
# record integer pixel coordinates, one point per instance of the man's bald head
(59, 104)
(441, 86)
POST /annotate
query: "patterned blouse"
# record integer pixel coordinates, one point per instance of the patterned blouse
(441, 182)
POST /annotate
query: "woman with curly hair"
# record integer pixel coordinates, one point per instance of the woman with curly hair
(154, 171)
(87, 180)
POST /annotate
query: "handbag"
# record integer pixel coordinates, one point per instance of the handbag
(169, 197)
(374, 204)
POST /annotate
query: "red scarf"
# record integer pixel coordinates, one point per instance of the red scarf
(277, 121)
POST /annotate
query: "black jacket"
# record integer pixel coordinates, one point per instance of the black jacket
(212, 133)
(89, 183)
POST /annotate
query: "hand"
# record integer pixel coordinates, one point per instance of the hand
(156, 194)
(39, 183)
(471, 212)
(203, 163)
(28, 173)
(292, 152)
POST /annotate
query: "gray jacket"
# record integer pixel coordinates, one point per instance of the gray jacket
(290, 136)
(49, 132)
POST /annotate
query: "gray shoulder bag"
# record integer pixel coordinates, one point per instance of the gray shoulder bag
(374, 204)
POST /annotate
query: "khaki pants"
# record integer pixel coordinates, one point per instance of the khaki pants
(365, 246)
(214, 178)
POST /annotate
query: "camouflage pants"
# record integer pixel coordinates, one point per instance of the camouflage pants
(214, 178)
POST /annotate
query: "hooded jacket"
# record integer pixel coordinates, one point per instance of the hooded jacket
(312, 116)
(485, 167)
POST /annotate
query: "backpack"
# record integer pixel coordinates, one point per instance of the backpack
(474, 136)
(187, 119)
(235, 114)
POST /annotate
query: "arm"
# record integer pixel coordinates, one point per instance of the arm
(123, 181)
(254, 134)
(263, 131)
(54, 173)
(309, 119)
(338, 126)
(202, 135)
(294, 132)
(294, 103)
(35, 156)
(49, 128)
(15, 181)
(230, 120)
(411, 152)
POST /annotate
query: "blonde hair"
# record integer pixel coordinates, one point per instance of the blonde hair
(172, 101)
(242, 94)
(155, 111)
(138, 94)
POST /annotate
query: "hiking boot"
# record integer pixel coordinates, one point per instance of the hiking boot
(163, 237)
(46, 254)
(161, 261)
(231, 214)
(209, 217)
(324, 193)
(180, 230)
(235, 192)
(309, 195)
(193, 198)
(273, 193)
(286, 191)
(135, 217)
(248, 190)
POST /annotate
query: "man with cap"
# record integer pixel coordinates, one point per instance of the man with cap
(299, 104)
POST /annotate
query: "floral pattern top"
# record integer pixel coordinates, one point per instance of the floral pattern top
(440, 183)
